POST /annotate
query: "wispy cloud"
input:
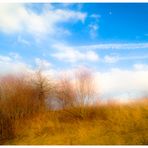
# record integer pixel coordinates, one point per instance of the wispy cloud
(141, 66)
(42, 64)
(114, 59)
(12, 63)
(89, 53)
(93, 30)
(70, 54)
(95, 16)
(94, 26)
(111, 59)
(119, 46)
(22, 41)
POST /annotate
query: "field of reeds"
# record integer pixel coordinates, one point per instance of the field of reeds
(35, 110)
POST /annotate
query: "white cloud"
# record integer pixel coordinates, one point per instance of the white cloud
(93, 28)
(23, 41)
(111, 59)
(95, 16)
(141, 66)
(118, 46)
(114, 59)
(122, 84)
(70, 54)
(138, 57)
(12, 64)
(91, 56)
(5, 59)
(10, 19)
(42, 63)
(19, 18)
(118, 84)
(113, 84)
(14, 56)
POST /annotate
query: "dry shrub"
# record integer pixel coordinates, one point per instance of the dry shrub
(78, 91)
(75, 94)
(65, 93)
(85, 92)
(18, 96)
(24, 95)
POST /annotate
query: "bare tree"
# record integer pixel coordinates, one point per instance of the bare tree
(77, 91)
(84, 86)
(44, 87)
(66, 93)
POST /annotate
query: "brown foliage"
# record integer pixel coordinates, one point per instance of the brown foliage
(66, 93)
(23, 96)
(18, 96)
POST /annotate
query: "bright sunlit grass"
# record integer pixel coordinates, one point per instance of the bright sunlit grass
(26, 118)
(105, 124)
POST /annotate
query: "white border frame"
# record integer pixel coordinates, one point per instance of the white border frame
(73, 1)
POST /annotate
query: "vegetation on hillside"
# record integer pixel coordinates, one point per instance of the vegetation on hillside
(37, 110)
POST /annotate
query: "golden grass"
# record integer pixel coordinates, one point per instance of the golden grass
(26, 119)
(100, 125)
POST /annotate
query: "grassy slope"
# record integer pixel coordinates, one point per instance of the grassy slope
(105, 125)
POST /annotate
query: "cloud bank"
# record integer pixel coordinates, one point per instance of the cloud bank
(123, 84)
(16, 18)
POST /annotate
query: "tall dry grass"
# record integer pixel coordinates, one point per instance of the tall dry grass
(25, 117)
(21, 96)
(102, 125)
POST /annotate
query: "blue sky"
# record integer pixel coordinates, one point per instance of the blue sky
(103, 36)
